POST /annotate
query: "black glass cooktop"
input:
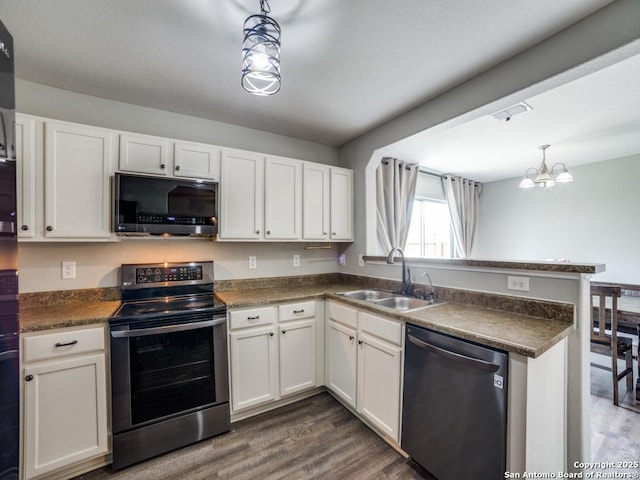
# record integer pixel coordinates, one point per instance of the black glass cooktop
(168, 305)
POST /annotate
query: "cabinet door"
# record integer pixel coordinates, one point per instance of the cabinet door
(65, 411)
(26, 175)
(341, 204)
(196, 160)
(342, 354)
(241, 195)
(144, 154)
(254, 367)
(379, 370)
(283, 199)
(315, 200)
(297, 341)
(78, 164)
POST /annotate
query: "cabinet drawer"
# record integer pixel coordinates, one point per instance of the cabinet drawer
(63, 343)
(296, 311)
(251, 317)
(343, 314)
(388, 330)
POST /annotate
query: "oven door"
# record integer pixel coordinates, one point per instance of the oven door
(164, 368)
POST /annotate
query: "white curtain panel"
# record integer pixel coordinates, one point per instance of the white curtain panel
(463, 197)
(395, 193)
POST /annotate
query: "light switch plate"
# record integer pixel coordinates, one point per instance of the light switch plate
(296, 260)
(253, 262)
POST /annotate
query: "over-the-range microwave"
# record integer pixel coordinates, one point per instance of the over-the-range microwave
(146, 205)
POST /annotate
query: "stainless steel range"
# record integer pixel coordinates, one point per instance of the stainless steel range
(169, 377)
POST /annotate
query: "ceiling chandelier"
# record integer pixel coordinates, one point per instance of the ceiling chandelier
(543, 177)
(261, 53)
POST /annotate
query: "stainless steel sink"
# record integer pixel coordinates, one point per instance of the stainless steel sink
(401, 303)
(406, 304)
(367, 295)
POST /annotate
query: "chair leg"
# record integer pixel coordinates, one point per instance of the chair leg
(629, 358)
(614, 371)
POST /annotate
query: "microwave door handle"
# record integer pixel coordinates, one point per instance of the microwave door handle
(143, 332)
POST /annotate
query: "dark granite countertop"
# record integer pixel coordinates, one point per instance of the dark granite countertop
(527, 335)
(37, 318)
(516, 325)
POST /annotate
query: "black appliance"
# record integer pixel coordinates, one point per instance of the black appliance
(455, 406)
(147, 205)
(9, 383)
(169, 377)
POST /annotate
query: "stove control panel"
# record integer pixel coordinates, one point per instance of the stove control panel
(166, 274)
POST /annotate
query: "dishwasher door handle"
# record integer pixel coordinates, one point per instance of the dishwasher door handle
(472, 362)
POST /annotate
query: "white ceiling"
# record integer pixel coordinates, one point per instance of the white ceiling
(347, 66)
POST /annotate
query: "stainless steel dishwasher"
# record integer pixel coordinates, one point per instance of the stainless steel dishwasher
(455, 406)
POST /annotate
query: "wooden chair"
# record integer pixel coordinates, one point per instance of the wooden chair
(611, 345)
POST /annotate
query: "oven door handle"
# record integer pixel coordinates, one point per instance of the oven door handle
(167, 329)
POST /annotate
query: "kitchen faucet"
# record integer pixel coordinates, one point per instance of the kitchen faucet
(406, 275)
(430, 294)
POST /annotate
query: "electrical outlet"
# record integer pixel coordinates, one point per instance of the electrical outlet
(342, 259)
(518, 283)
(68, 270)
(253, 262)
(296, 260)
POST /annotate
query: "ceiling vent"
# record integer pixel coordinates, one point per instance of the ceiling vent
(508, 113)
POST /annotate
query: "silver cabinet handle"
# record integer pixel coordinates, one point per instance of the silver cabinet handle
(143, 332)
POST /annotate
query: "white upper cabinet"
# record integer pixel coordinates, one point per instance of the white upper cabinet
(145, 154)
(241, 195)
(316, 201)
(283, 199)
(163, 156)
(341, 204)
(77, 168)
(196, 160)
(26, 175)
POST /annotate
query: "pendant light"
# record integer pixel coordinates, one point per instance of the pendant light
(261, 53)
(542, 176)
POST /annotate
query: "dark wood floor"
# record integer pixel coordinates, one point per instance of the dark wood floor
(315, 438)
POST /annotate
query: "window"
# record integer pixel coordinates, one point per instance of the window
(430, 230)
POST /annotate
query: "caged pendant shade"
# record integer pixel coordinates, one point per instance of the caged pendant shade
(261, 53)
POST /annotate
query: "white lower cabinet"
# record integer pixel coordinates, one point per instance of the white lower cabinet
(342, 357)
(364, 365)
(254, 366)
(274, 352)
(65, 402)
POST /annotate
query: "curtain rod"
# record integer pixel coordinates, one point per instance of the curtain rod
(422, 170)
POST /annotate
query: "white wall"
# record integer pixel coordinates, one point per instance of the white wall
(97, 264)
(593, 219)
